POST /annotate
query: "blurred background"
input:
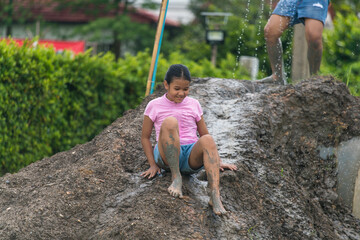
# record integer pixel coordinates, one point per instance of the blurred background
(128, 26)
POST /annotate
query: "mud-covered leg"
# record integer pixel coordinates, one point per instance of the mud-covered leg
(313, 34)
(212, 164)
(169, 148)
(275, 52)
(205, 153)
(272, 32)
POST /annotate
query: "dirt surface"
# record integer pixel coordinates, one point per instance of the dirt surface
(282, 189)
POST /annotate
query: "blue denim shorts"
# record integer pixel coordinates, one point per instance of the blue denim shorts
(185, 151)
(298, 10)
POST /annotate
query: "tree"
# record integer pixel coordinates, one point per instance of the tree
(244, 30)
(342, 51)
(251, 10)
(346, 6)
(12, 11)
(111, 22)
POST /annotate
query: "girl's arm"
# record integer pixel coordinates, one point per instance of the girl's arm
(201, 127)
(146, 143)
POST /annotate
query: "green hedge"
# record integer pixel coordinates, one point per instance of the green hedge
(341, 51)
(51, 102)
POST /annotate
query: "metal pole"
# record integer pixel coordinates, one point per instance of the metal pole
(157, 45)
(300, 64)
(214, 49)
(10, 19)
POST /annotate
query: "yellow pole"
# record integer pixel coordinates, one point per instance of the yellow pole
(156, 44)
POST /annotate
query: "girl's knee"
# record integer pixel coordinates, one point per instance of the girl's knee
(207, 141)
(170, 123)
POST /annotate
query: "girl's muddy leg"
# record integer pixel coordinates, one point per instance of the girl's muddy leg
(212, 164)
(169, 148)
(172, 155)
(204, 153)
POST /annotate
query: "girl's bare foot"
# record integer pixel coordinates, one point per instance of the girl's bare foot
(216, 203)
(175, 187)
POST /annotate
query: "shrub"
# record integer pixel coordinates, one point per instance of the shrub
(341, 51)
(51, 102)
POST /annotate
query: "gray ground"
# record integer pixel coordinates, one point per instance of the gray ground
(282, 190)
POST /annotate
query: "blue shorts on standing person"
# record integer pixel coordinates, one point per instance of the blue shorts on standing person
(185, 151)
(298, 10)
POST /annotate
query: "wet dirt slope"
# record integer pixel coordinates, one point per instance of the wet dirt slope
(282, 190)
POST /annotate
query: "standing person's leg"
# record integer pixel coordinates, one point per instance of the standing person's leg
(273, 30)
(204, 153)
(313, 15)
(313, 34)
(169, 148)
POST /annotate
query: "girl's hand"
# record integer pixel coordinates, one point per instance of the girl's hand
(224, 166)
(151, 172)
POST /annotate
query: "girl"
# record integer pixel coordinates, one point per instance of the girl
(176, 118)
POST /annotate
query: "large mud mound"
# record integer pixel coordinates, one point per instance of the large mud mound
(282, 190)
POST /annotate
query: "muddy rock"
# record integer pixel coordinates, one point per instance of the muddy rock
(282, 189)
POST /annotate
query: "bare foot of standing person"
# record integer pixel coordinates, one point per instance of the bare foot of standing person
(272, 32)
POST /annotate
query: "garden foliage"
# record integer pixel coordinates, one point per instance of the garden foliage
(341, 51)
(51, 102)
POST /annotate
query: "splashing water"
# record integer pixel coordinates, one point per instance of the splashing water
(265, 47)
(246, 21)
(261, 13)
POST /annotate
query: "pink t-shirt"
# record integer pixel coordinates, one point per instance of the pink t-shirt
(188, 113)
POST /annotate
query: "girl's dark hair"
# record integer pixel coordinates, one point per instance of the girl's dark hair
(177, 71)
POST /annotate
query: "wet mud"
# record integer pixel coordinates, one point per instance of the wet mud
(283, 189)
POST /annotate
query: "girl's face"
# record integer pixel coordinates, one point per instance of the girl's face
(177, 90)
